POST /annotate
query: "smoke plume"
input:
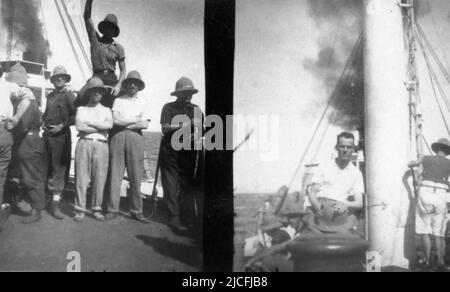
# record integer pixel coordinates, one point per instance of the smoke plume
(340, 24)
(28, 30)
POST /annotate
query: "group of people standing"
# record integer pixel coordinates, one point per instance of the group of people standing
(109, 117)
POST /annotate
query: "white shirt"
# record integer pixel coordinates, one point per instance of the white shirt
(336, 183)
(6, 90)
(130, 108)
(98, 113)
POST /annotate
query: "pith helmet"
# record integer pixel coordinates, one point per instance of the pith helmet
(111, 21)
(442, 144)
(136, 77)
(94, 83)
(184, 85)
(18, 75)
(60, 71)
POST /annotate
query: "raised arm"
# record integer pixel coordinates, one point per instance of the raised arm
(88, 19)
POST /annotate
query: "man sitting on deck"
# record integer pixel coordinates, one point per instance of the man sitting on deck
(336, 191)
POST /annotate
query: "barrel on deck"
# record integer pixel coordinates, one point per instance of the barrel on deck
(329, 253)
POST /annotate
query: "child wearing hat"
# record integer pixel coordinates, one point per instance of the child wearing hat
(106, 53)
(130, 117)
(59, 116)
(431, 208)
(92, 153)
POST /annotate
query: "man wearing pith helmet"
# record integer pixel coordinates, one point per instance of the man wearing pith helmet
(58, 117)
(106, 53)
(179, 169)
(130, 116)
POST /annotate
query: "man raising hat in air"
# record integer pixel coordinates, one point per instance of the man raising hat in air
(130, 117)
(105, 53)
(178, 168)
(58, 117)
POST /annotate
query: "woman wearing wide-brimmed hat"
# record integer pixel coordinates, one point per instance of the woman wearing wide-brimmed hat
(431, 210)
(106, 53)
(92, 152)
(130, 117)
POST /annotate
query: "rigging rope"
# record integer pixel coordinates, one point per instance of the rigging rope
(77, 36)
(58, 8)
(322, 117)
(432, 79)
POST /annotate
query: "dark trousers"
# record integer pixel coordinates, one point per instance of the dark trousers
(30, 156)
(109, 79)
(6, 143)
(58, 156)
(126, 150)
(177, 177)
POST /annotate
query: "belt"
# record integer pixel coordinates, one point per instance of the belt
(103, 71)
(95, 140)
(434, 185)
(33, 132)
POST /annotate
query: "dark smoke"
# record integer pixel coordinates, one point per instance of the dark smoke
(340, 23)
(28, 28)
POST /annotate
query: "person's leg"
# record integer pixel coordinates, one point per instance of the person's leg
(426, 244)
(117, 171)
(6, 142)
(170, 179)
(30, 155)
(135, 164)
(100, 163)
(440, 250)
(83, 157)
(60, 163)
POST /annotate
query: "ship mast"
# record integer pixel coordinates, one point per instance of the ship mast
(387, 120)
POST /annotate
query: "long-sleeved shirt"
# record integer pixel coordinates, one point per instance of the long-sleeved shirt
(60, 109)
(6, 90)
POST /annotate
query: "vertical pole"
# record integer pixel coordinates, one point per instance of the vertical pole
(387, 133)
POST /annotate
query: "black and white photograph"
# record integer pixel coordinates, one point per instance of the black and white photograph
(345, 111)
(224, 136)
(89, 180)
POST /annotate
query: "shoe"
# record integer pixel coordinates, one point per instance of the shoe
(33, 218)
(79, 217)
(175, 224)
(99, 216)
(141, 218)
(56, 212)
(111, 216)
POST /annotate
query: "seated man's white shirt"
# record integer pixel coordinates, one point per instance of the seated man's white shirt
(98, 113)
(6, 90)
(130, 108)
(336, 183)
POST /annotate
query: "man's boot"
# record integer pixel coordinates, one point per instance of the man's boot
(176, 225)
(56, 212)
(33, 218)
(5, 212)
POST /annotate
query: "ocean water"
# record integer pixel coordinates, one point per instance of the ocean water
(152, 143)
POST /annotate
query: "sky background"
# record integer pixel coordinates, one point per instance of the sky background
(163, 40)
(279, 71)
